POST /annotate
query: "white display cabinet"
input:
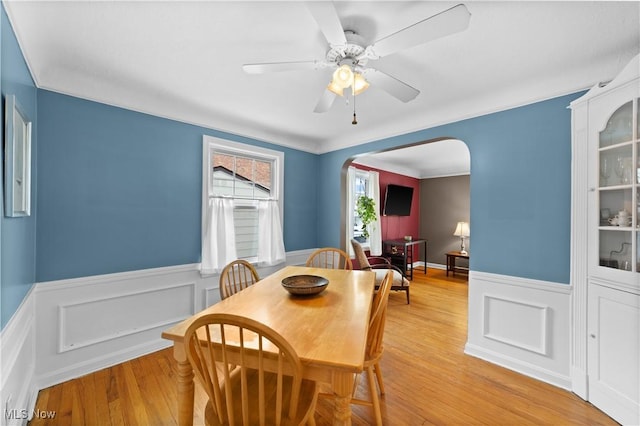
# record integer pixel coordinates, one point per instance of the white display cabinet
(605, 258)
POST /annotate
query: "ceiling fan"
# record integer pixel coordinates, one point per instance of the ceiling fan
(348, 55)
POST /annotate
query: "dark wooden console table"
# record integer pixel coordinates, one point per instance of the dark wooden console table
(402, 254)
(451, 262)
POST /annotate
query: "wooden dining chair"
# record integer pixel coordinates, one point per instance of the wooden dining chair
(237, 276)
(374, 349)
(380, 267)
(264, 389)
(331, 258)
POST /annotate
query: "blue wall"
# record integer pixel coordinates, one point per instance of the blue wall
(121, 190)
(520, 188)
(17, 235)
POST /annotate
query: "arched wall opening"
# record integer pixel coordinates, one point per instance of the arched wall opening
(439, 171)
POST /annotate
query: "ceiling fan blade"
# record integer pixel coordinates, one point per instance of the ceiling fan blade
(280, 66)
(391, 85)
(325, 102)
(442, 24)
(325, 14)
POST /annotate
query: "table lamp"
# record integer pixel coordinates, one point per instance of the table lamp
(462, 231)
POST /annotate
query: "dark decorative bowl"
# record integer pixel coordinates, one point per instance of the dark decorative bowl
(305, 285)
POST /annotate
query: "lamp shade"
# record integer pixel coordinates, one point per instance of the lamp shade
(462, 229)
(343, 76)
(359, 84)
(338, 90)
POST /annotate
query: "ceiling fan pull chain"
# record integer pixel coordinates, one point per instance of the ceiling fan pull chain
(355, 121)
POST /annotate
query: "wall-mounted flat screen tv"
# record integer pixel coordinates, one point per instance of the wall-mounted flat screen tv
(397, 201)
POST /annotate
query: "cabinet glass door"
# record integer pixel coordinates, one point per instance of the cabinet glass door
(619, 190)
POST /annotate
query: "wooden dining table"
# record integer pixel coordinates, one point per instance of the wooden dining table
(328, 331)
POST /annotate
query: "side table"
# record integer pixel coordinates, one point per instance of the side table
(451, 262)
(402, 253)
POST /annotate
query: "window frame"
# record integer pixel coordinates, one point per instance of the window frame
(224, 146)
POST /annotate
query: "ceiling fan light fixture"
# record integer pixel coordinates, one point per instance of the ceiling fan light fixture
(360, 84)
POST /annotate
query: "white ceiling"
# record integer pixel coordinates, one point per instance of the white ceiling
(436, 159)
(182, 60)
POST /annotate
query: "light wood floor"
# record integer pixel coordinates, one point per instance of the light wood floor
(428, 378)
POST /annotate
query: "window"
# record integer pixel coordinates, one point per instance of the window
(359, 183)
(245, 179)
(360, 188)
(245, 174)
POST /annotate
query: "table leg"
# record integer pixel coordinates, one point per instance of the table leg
(185, 386)
(342, 388)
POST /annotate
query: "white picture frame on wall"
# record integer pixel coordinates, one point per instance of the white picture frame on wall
(17, 166)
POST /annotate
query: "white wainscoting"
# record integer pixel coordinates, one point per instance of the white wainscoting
(521, 324)
(89, 323)
(68, 328)
(86, 324)
(17, 363)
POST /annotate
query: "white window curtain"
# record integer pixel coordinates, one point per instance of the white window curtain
(270, 239)
(219, 241)
(349, 224)
(375, 231)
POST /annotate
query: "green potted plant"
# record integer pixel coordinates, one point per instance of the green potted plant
(366, 210)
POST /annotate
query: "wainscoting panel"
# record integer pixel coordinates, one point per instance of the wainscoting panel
(521, 324)
(85, 324)
(530, 317)
(98, 320)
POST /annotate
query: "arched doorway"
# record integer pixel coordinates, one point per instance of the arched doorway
(440, 163)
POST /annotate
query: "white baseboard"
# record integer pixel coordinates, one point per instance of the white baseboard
(519, 366)
(83, 367)
(580, 383)
(435, 266)
(521, 324)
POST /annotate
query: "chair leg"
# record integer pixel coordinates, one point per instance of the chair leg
(374, 396)
(379, 377)
(356, 380)
(408, 296)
